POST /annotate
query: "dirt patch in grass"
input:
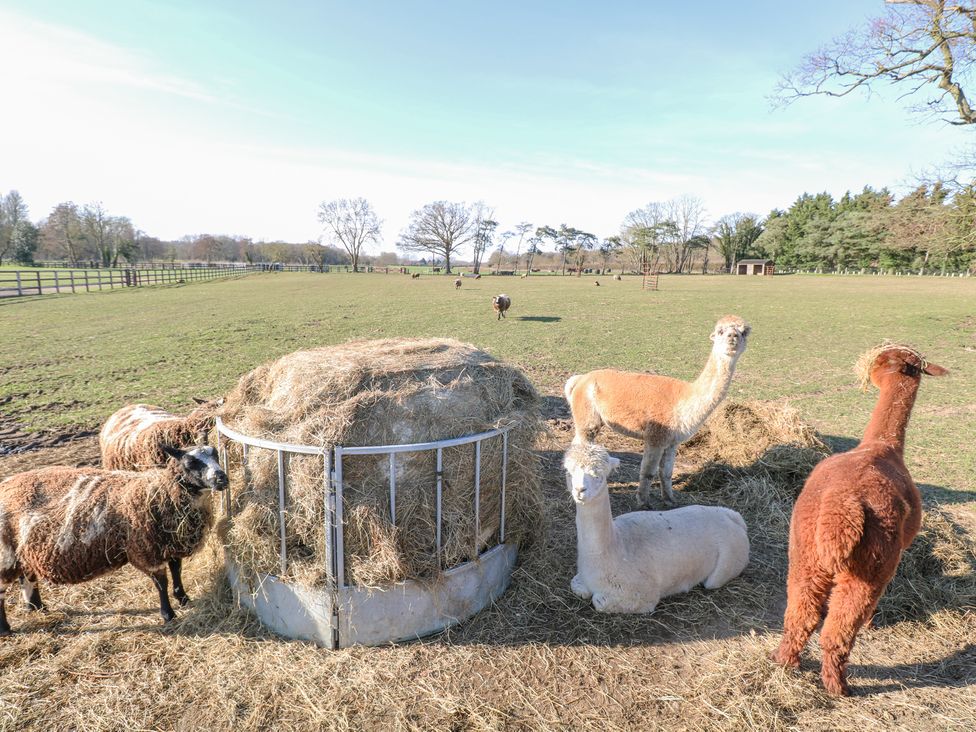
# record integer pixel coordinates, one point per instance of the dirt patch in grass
(20, 450)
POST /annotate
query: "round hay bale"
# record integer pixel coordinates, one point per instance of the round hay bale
(384, 392)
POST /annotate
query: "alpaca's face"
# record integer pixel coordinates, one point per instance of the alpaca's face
(730, 335)
(586, 484)
(904, 362)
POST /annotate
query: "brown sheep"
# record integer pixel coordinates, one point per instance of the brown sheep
(457, 284)
(133, 437)
(501, 303)
(858, 511)
(69, 525)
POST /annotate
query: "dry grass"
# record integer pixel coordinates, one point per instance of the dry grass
(537, 659)
(384, 392)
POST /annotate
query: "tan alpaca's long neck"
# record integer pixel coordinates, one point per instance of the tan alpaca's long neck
(594, 527)
(889, 420)
(705, 393)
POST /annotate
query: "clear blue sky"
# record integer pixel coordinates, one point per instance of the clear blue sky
(238, 117)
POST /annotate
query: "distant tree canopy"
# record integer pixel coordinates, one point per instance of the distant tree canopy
(350, 223)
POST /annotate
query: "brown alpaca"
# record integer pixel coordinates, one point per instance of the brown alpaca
(856, 514)
(70, 525)
(661, 411)
(133, 437)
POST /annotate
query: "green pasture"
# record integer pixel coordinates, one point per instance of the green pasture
(67, 362)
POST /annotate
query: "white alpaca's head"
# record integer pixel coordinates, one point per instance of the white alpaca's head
(587, 467)
(729, 337)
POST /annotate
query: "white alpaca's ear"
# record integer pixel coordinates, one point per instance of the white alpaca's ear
(614, 464)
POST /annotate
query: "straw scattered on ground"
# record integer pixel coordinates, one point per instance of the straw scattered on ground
(539, 658)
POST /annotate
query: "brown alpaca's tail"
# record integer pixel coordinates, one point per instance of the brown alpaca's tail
(840, 527)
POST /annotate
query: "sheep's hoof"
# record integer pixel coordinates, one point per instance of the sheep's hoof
(168, 617)
(32, 607)
(183, 599)
(5, 632)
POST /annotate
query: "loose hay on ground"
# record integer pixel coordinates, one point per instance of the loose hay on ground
(384, 392)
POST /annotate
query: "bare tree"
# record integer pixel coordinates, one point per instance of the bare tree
(484, 231)
(61, 234)
(522, 228)
(351, 223)
(687, 214)
(440, 228)
(926, 46)
(95, 223)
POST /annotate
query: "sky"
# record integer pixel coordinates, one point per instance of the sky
(239, 117)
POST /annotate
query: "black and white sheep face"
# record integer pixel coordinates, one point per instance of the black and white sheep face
(200, 467)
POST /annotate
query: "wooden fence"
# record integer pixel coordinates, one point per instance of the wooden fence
(18, 283)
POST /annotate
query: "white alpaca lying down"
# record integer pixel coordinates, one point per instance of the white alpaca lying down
(628, 564)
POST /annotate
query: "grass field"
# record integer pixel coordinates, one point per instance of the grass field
(68, 362)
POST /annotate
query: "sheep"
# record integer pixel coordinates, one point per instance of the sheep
(133, 437)
(617, 277)
(661, 411)
(627, 564)
(69, 525)
(858, 511)
(501, 303)
(596, 282)
(457, 284)
(415, 275)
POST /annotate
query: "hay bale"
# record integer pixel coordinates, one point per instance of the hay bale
(384, 392)
(757, 439)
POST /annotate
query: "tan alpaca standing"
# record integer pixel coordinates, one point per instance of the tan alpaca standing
(661, 411)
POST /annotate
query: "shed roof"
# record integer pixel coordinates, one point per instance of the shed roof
(754, 261)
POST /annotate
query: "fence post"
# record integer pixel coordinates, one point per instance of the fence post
(20, 290)
(38, 273)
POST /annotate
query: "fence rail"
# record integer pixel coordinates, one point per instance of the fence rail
(21, 283)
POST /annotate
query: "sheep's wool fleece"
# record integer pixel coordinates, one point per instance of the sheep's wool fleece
(67, 525)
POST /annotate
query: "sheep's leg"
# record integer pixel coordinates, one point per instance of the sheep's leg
(165, 609)
(664, 473)
(32, 595)
(649, 466)
(176, 569)
(806, 595)
(4, 625)
(851, 605)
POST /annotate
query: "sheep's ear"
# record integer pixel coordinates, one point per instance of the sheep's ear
(746, 331)
(933, 369)
(198, 400)
(220, 402)
(614, 464)
(174, 452)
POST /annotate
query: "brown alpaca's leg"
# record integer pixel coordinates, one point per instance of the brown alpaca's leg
(806, 595)
(851, 604)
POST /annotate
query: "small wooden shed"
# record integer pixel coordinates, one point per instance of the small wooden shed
(754, 267)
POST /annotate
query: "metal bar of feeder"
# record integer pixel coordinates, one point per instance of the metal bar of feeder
(267, 444)
(501, 530)
(340, 552)
(393, 489)
(421, 446)
(281, 510)
(477, 495)
(440, 462)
